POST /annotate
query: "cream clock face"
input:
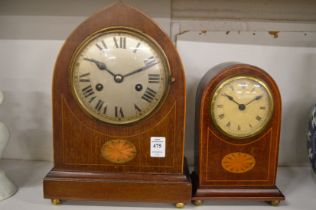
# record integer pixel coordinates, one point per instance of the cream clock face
(120, 76)
(242, 106)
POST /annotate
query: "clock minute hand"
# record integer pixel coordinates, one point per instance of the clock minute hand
(100, 65)
(255, 99)
(140, 69)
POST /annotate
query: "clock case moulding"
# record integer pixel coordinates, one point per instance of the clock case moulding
(209, 179)
(80, 172)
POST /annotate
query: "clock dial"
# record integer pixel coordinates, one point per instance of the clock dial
(120, 76)
(242, 106)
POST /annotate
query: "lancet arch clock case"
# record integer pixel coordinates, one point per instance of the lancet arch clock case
(238, 115)
(118, 113)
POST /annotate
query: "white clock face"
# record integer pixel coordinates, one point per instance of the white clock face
(120, 76)
(242, 106)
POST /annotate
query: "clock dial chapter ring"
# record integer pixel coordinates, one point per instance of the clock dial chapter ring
(241, 106)
(120, 75)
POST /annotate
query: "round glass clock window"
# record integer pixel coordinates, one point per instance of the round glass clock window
(120, 76)
(242, 106)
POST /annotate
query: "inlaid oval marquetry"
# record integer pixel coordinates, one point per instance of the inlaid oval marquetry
(118, 151)
(238, 162)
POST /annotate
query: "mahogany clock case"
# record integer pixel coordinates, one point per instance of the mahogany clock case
(80, 172)
(210, 180)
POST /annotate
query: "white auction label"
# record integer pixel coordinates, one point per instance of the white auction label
(157, 146)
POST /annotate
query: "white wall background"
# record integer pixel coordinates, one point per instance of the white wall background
(32, 33)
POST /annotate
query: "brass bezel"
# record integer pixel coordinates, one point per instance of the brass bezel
(134, 32)
(228, 80)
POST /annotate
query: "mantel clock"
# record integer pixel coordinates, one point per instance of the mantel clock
(238, 115)
(118, 113)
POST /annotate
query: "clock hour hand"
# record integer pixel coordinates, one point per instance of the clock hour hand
(241, 107)
(231, 98)
(255, 99)
(100, 65)
(140, 69)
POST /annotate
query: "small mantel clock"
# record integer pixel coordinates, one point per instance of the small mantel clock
(238, 114)
(118, 113)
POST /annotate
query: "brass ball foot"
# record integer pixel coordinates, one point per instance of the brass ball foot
(275, 202)
(180, 205)
(56, 201)
(197, 202)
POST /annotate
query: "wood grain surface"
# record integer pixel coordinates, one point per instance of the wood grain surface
(78, 138)
(211, 180)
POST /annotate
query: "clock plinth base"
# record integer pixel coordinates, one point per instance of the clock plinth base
(258, 193)
(272, 194)
(138, 187)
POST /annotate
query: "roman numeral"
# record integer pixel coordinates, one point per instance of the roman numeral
(150, 61)
(153, 78)
(83, 77)
(221, 116)
(250, 125)
(91, 99)
(262, 107)
(99, 105)
(115, 42)
(103, 45)
(258, 118)
(149, 95)
(137, 108)
(119, 112)
(105, 109)
(220, 106)
(121, 44)
(238, 127)
(98, 46)
(136, 48)
(87, 91)
(228, 124)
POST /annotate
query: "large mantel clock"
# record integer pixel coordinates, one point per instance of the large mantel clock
(118, 113)
(238, 114)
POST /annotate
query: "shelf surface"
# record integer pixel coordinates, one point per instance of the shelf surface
(297, 183)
